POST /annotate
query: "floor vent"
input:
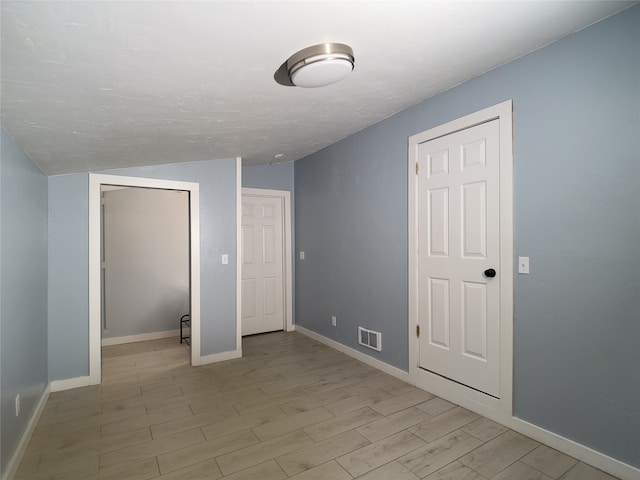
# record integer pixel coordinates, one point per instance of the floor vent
(370, 339)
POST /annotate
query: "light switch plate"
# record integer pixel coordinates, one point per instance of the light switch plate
(225, 259)
(301, 255)
(523, 265)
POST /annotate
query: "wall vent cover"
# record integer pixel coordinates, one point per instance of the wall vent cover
(370, 339)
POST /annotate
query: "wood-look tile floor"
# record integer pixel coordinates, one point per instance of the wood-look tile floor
(290, 408)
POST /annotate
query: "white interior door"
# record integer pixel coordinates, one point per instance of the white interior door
(262, 264)
(459, 244)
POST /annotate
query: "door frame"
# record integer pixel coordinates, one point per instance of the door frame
(497, 409)
(287, 258)
(95, 291)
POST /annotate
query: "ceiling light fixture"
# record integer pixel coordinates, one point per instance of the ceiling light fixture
(317, 66)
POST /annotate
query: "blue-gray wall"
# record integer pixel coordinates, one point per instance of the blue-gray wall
(23, 290)
(577, 198)
(278, 176)
(68, 325)
(68, 260)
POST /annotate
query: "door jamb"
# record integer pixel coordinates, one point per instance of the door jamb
(288, 252)
(95, 292)
(497, 409)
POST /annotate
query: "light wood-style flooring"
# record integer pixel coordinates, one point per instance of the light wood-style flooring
(290, 408)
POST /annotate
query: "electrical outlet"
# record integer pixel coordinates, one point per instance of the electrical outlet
(301, 255)
(17, 405)
(334, 320)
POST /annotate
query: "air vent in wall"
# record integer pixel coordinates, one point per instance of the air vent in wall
(370, 339)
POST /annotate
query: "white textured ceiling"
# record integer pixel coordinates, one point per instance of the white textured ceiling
(94, 85)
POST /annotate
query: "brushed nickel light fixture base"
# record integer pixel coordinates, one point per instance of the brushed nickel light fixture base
(316, 66)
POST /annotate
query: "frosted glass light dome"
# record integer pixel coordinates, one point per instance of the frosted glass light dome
(320, 65)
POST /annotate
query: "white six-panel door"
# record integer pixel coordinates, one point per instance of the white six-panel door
(459, 241)
(262, 264)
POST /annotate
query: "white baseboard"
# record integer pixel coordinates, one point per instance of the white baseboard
(69, 383)
(581, 452)
(142, 337)
(373, 362)
(16, 458)
(220, 357)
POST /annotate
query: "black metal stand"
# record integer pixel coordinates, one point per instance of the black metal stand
(185, 321)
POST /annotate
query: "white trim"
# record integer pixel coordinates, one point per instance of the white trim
(288, 248)
(505, 113)
(194, 238)
(583, 453)
(70, 383)
(141, 337)
(95, 291)
(220, 357)
(95, 181)
(439, 386)
(372, 362)
(239, 254)
(23, 443)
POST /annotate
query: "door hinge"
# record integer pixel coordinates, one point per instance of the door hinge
(418, 331)
(417, 168)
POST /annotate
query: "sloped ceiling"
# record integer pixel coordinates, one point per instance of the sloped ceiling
(94, 85)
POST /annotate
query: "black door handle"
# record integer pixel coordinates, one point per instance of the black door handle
(489, 273)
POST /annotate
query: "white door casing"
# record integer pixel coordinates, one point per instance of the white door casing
(458, 238)
(461, 224)
(95, 262)
(265, 252)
